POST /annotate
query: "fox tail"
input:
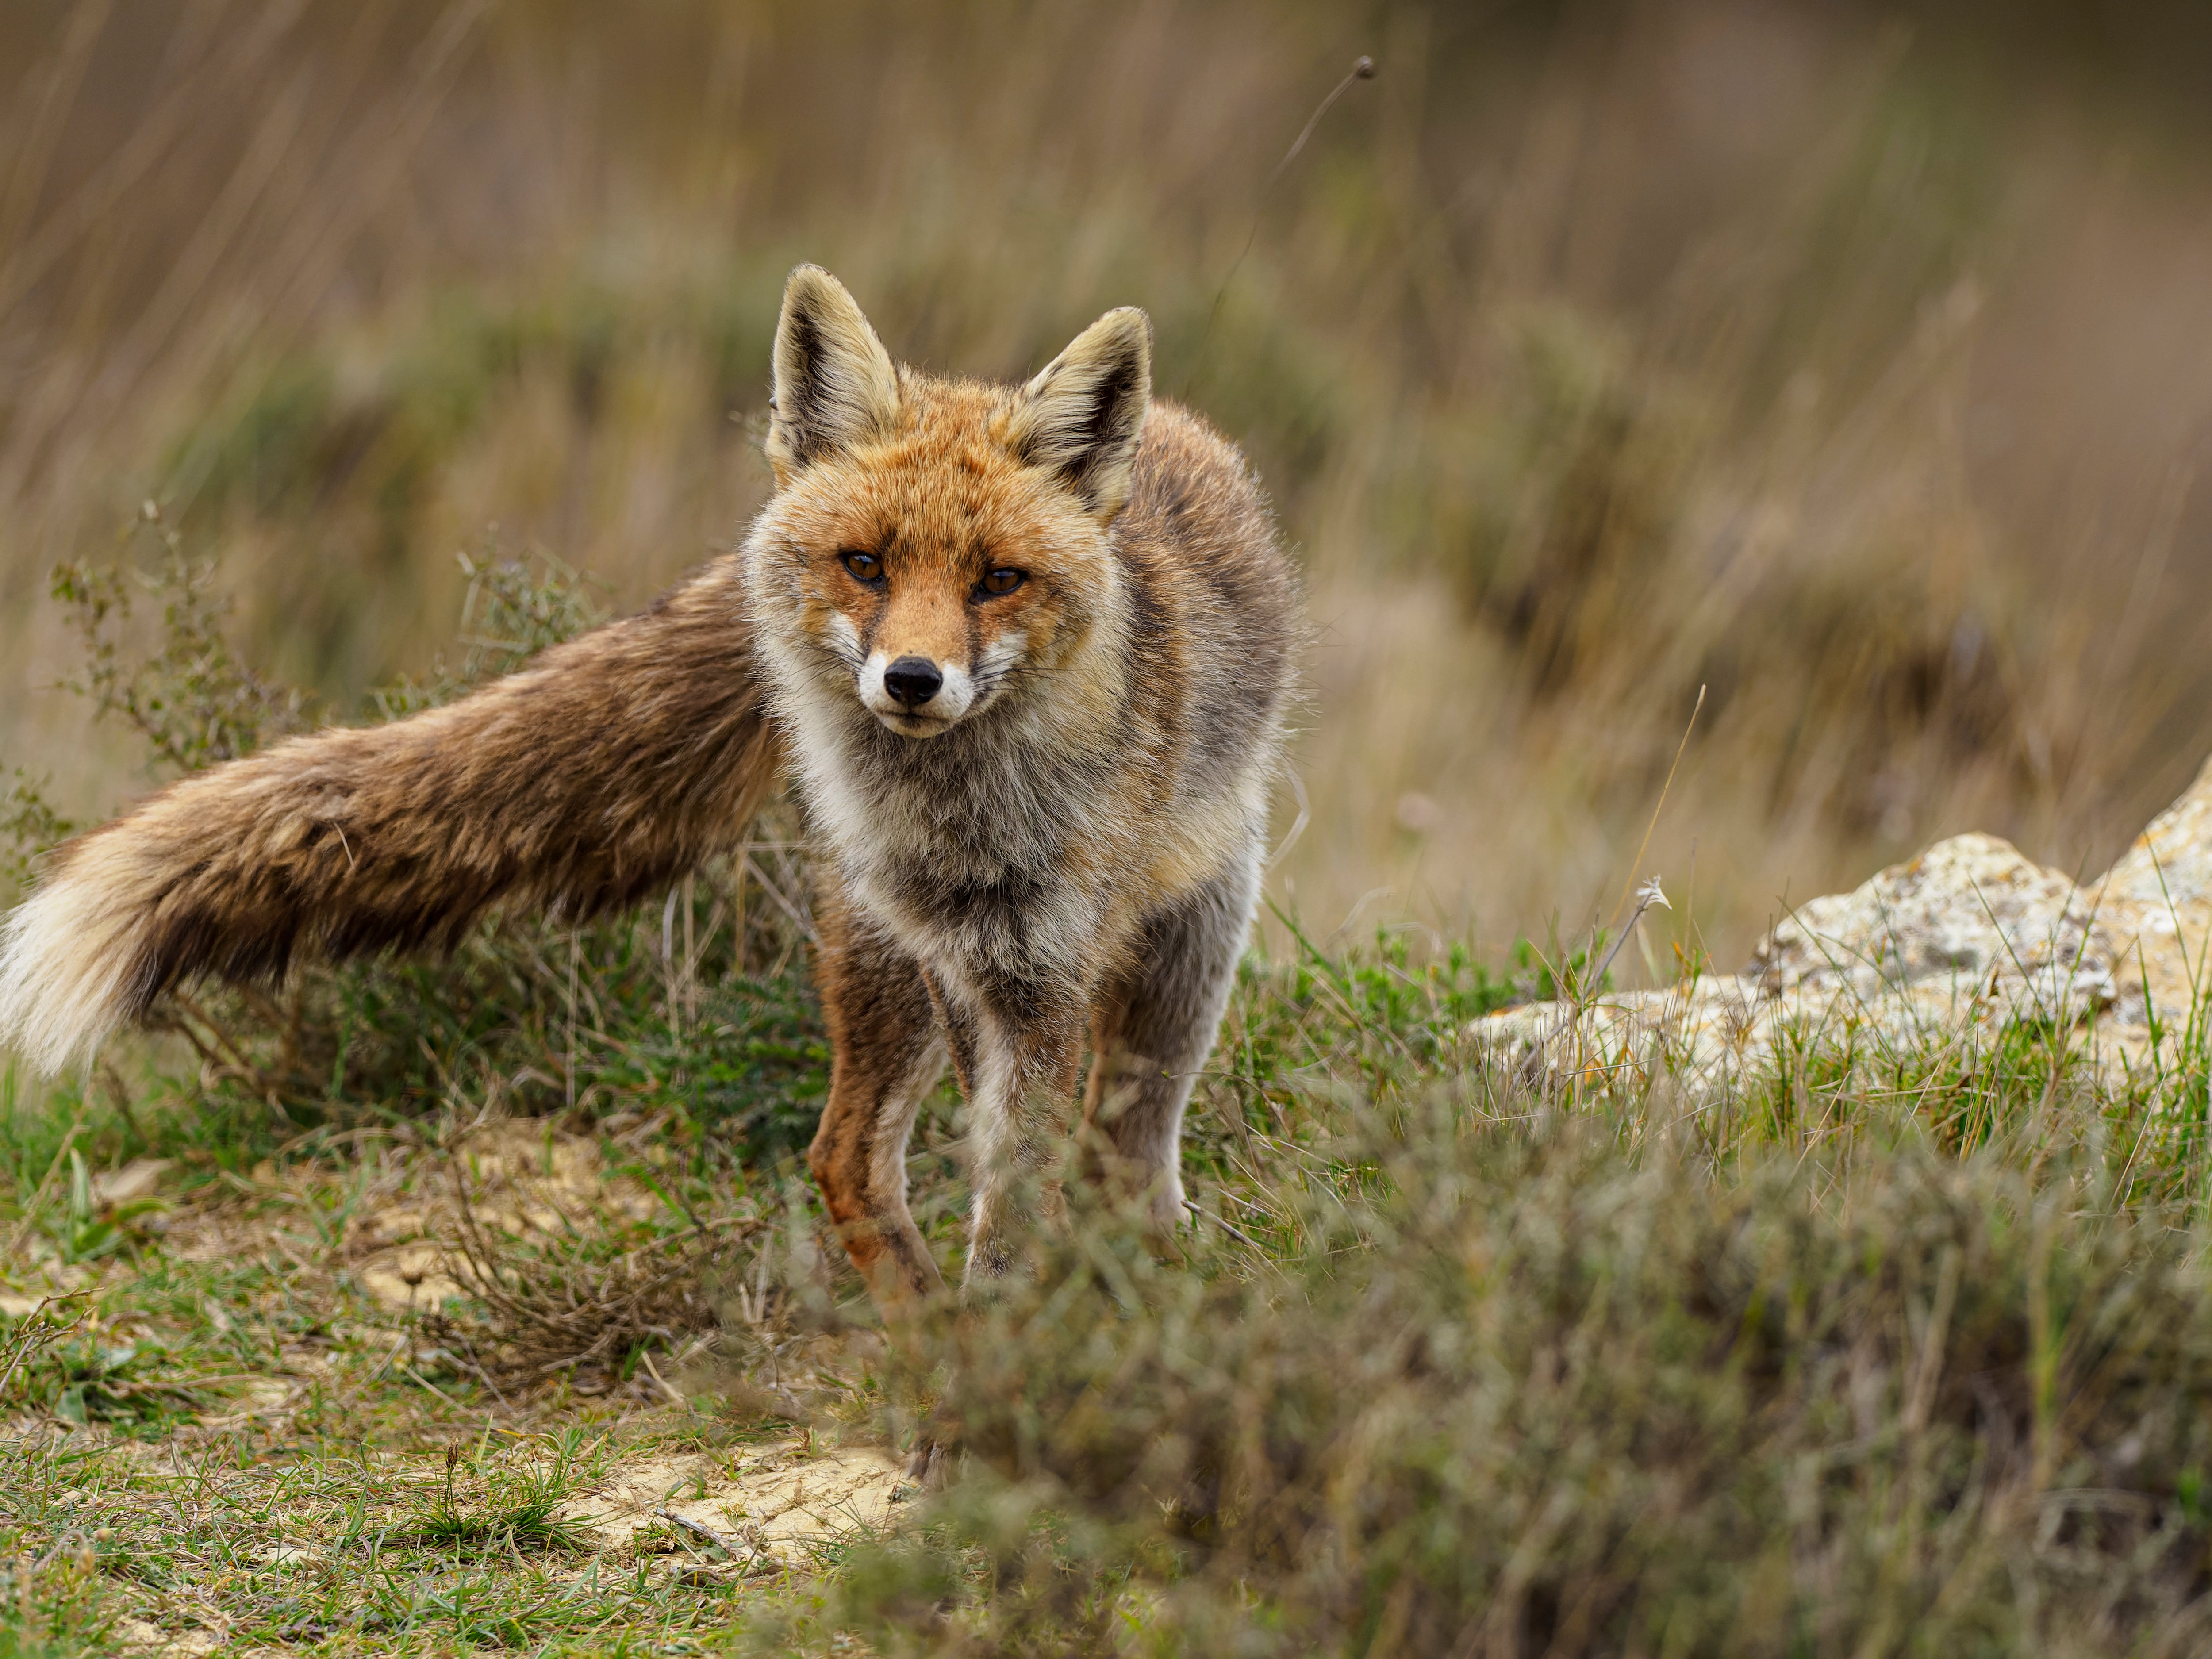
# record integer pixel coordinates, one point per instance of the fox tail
(607, 767)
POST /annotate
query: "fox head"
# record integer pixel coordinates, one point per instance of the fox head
(933, 545)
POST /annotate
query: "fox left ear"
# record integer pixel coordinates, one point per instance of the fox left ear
(1081, 417)
(835, 384)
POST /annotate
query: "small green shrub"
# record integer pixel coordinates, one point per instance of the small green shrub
(1518, 1390)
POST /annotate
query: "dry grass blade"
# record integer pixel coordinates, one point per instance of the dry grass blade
(55, 1318)
(578, 1295)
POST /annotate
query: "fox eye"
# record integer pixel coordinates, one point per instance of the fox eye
(1001, 581)
(864, 567)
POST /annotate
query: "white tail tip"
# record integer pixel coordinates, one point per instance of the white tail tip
(65, 960)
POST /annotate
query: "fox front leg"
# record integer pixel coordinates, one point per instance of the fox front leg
(887, 1056)
(1019, 1075)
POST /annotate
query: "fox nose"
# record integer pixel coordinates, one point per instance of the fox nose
(913, 680)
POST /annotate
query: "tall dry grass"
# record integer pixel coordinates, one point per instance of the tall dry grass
(1595, 353)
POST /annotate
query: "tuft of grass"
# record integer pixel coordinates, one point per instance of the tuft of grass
(49, 1609)
(523, 1511)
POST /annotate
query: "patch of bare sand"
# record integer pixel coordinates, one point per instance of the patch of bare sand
(773, 1505)
(408, 1279)
(137, 1635)
(262, 1398)
(523, 1178)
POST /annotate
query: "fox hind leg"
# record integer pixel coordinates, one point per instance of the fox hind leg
(1151, 1031)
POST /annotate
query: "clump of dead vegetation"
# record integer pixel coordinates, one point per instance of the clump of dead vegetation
(587, 1283)
(587, 1301)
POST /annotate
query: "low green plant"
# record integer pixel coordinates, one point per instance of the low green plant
(511, 1511)
(130, 1385)
(50, 1608)
(88, 1230)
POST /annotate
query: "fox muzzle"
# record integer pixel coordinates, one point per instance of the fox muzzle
(914, 694)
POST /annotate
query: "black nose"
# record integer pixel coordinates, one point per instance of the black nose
(913, 680)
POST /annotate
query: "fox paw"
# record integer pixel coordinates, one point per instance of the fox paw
(932, 1467)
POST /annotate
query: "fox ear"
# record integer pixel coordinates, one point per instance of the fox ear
(1081, 417)
(835, 385)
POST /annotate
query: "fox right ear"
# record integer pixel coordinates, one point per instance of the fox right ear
(835, 385)
(1081, 416)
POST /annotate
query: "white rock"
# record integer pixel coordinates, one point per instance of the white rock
(1968, 936)
(1971, 912)
(2170, 866)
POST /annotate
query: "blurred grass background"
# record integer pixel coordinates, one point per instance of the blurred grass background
(1850, 361)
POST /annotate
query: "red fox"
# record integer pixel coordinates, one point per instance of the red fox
(1026, 651)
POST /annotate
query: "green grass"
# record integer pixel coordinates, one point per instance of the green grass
(517, 1512)
(309, 1553)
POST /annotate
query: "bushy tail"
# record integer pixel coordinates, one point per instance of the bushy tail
(607, 767)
